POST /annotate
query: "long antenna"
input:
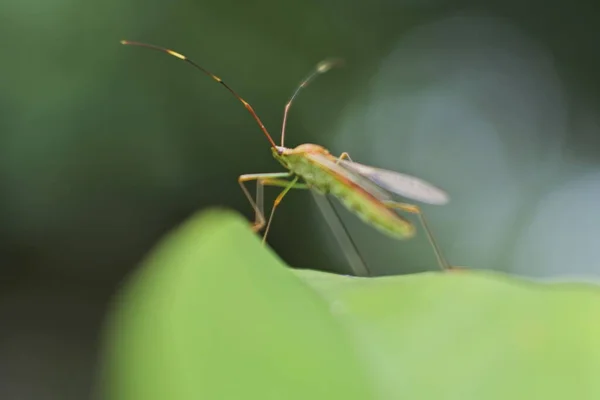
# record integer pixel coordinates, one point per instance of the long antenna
(321, 68)
(216, 78)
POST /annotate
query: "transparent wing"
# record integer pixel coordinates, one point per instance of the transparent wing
(401, 184)
(355, 177)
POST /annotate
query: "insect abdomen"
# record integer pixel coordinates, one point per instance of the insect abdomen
(372, 211)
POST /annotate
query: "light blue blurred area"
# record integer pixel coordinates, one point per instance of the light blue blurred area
(477, 106)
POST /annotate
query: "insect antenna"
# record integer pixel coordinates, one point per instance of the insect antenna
(321, 68)
(214, 77)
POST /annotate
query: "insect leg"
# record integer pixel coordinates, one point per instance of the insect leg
(343, 156)
(290, 185)
(357, 263)
(262, 180)
(340, 232)
(258, 204)
(282, 183)
(413, 209)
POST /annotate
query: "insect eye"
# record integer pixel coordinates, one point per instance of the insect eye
(279, 150)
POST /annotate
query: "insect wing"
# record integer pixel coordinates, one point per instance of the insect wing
(353, 176)
(404, 185)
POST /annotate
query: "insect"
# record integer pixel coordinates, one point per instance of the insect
(366, 191)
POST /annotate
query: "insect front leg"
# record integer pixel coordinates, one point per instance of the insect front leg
(258, 202)
(413, 209)
(267, 179)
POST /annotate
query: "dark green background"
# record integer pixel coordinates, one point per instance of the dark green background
(104, 148)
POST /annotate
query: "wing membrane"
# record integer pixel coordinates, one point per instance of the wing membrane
(397, 183)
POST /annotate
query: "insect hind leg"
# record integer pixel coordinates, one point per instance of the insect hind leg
(413, 209)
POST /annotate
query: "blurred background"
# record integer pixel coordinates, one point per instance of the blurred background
(105, 148)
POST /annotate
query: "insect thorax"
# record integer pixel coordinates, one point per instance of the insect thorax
(313, 175)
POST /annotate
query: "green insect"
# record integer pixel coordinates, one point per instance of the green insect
(366, 191)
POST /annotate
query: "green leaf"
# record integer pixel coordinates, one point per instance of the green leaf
(470, 335)
(212, 314)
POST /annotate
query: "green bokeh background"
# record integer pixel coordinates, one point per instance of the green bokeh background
(104, 148)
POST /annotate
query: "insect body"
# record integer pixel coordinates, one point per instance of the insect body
(366, 191)
(322, 172)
